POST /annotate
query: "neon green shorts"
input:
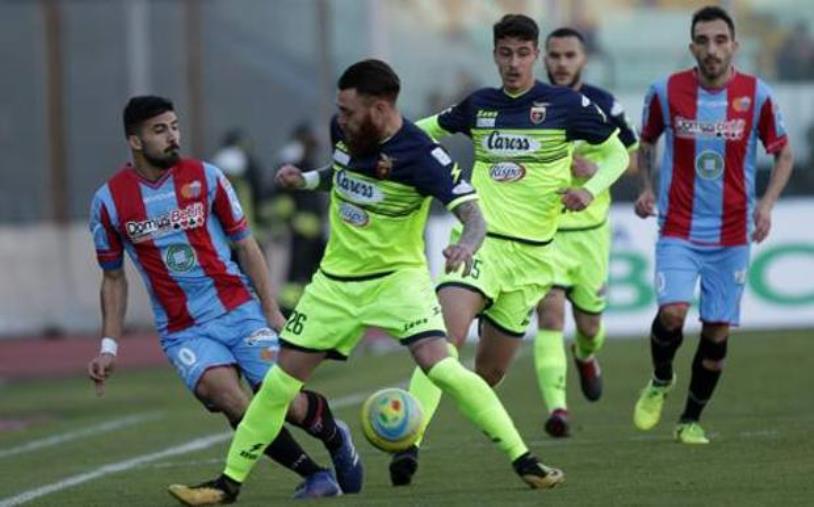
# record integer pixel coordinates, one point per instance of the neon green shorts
(334, 313)
(581, 268)
(511, 276)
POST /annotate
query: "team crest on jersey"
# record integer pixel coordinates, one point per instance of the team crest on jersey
(741, 104)
(709, 165)
(353, 215)
(191, 190)
(180, 258)
(176, 220)
(537, 112)
(384, 166)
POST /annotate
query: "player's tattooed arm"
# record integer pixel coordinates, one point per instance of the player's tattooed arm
(646, 203)
(474, 231)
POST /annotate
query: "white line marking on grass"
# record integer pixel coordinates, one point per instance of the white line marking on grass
(104, 427)
(198, 444)
(191, 446)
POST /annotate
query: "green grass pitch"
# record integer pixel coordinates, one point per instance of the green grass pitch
(761, 421)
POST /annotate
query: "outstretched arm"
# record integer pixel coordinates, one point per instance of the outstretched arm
(432, 128)
(474, 230)
(292, 178)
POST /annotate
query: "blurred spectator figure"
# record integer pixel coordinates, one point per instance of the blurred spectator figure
(795, 58)
(236, 159)
(298, 215)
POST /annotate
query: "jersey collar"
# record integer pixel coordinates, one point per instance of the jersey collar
(518, 95)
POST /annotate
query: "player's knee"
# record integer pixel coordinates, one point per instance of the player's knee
(230, 400)
(298, 409)
(457, 335)
(712, 353)
(491, 374)
(665, 336)
(672, 316)
(589, 327)
(550, 318)
(551, 311)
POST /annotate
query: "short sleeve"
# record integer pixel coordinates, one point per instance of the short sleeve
(106, 239)
(587, 122)
(770, 127)
(619, 119)
(225, 205)
(440, 177)
(652, 116)
(458, 118)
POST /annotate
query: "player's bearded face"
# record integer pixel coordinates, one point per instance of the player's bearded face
(713, 48)
(364, 138)
(357, 123)
(161, 157)
(160, 140)
(564, 60)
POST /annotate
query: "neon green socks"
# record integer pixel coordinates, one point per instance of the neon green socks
(427, 393)
(585, 346)
(479, 403)
(261, 423)
(551, 365)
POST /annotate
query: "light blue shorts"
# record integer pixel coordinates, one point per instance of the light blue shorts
(722, 270)
(241, 337)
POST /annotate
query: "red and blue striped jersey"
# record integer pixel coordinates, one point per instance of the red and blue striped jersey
(707, 183)
(176, 232)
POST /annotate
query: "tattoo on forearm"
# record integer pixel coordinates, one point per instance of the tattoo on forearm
(647, 163)
(474, 225)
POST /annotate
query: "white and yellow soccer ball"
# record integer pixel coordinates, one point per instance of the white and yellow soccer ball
(392, 419)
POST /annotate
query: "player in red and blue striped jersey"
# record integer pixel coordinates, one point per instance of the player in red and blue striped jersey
(712, 117)
(217, 321)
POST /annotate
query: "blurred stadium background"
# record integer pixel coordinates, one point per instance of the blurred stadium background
(268, 68)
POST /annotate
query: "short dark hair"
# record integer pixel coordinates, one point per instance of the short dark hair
(565, 31)
(518, 26)
(143, 108)
(711, 13)
(373, 78)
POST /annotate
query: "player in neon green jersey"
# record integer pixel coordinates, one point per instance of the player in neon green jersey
(374, 273)
(583, 244)
(523, 134)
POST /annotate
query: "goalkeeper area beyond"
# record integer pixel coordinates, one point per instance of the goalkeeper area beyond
(147, 432)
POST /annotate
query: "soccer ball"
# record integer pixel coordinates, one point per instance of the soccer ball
(392, 419)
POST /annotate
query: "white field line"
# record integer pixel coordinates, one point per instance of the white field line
(198, 444)
(61, 438)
